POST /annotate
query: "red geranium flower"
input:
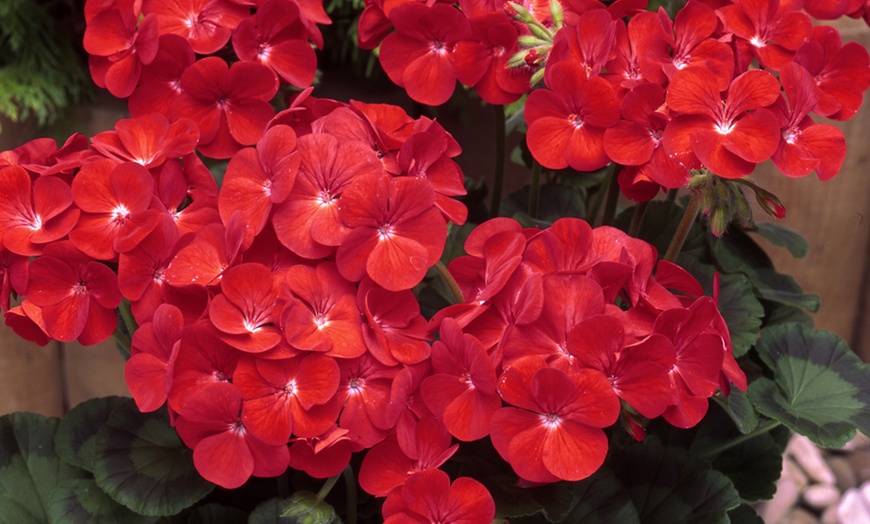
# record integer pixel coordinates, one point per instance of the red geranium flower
(555, 432)
(243, 311)
(155, 344)
(418, 56)
(567, 121)
(428, 496)
(148, 140)
(206, 24)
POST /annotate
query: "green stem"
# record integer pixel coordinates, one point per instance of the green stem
(127, 317)
(765, 428)
(637, 218)
(451, 283)
(123, 343)
(498, 177)
(612, 195)
(350, 483)
(324, 491)
(672, 195)
(535, 189)
(685, 226)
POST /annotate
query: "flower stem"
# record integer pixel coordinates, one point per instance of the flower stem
(498, 177)
(451, 283)
(599, 195)
(612, 195)
(535, 189)
(123, 337)
(685, 226)
(765, 428)
(324, 491)
(637, 218)
(350, 483)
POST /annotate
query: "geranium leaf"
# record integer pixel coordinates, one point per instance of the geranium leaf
(669, 485)
(784, 237)
(753, 467)
(744, 514)
(80, 501)
(216, 514)
(741, 310)
(819, 388)
(784, 289)
(74, 439)
(305, 508)
(269, 512)
(740, 410)
(30, 470)
(140, 461)
(781, 314)
(556, 201)
(660, 222)
(599, 498)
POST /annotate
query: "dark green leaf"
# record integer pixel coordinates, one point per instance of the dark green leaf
(784, 237)
(754, 466)
(670, 486)
(600, 498)
(736, 251)
(75, 436)
(744, 514)
(140, 461)
(741, 310)
(659, 225)
(30, 470)
(784, 289)
(819, 387)
(740, 410)
(776, 313)
(305, 508)
(269, 512)
(81, 501)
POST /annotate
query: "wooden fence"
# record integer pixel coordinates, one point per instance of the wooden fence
(834, 216)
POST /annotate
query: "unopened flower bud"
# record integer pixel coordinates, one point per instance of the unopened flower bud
(518, 13)
(770, 203)
(556, 13)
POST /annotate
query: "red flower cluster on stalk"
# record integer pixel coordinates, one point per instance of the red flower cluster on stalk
(276, 315)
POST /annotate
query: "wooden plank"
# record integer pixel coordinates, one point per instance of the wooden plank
(30, 376)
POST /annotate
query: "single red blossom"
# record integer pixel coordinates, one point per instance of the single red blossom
(148, 140)
(565, 246)
(115, 201)
(630, 64)
(461, 392)
(33, 214)
(320, 312)
(257, 179)
(387, 465)
(554, 432)
(206, 24)
(203, 358)
(406, 408)
(212, 250)
(842, 72)
(481, 61)
(364, 392)
(588, 42)
(418, 56)
(26, 321)
(397, 233)
(230, 104)
(427, 154)
(805, 146)
(153, 350)
(119, 41)
(482, 276)
(308, 221)
(41, 156)
(699, 357)
(567, 120)
(323, 456)
(224, 451)
(638, 372)
(242, 313)
(160, 81)
(728, 136)
(428, 496)
(275, 37)
(288, 396)
(140, 270)
(187, 192)
(767, 30)
(394, 331)
(77, 295)
(689, 40)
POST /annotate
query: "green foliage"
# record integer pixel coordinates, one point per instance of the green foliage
(40, 72)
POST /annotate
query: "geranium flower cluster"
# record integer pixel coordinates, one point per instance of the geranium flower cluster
(662, 97)
(275, 317)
